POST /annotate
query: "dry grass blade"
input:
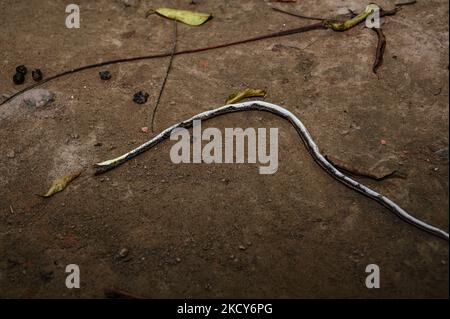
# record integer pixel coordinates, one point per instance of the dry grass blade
(169, 67)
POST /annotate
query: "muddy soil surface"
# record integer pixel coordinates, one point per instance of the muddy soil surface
(223, 230)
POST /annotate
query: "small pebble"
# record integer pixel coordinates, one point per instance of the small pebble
(105, 75)
(18, 78)
(242, 247)
(37, 75)
(21, 69)
(11, 154)
(144, 129)
(38, 98)
(140, 97)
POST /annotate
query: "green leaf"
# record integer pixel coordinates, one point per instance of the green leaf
(348, 24)
(185, 16)
(240, 95)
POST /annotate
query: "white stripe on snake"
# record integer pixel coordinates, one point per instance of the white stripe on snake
(307, 140)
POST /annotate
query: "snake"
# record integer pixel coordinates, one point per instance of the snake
(308, 141)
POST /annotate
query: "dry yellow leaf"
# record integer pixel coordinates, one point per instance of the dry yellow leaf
(343, 26)
(61, 183)
(185, 16)
(240, 95)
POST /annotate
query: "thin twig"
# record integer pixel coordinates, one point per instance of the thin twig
(406, 3)
(381, 46)
(381, 38)
(114, 293)
(172, 54)
(297, 15)
(352, 13)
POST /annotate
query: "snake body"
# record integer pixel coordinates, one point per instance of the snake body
(307, 140)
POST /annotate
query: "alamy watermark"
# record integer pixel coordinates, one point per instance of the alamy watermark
(73, 19)
(373, 279)
(73, 279)
(227, 148)
(373, 20)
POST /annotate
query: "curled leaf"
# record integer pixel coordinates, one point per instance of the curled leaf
(348, 24)
(240, 95)
(185, 16)
(61, 183)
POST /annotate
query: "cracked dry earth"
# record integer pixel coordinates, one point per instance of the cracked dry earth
(223, 230)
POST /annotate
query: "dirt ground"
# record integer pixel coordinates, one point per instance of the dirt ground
(222, 230)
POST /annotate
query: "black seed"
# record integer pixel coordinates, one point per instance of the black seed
(140, 97)
(105, 75)
(18, 78)
(36, 74)
(21, 69)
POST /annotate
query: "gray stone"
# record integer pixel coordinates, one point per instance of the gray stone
(37, 98)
